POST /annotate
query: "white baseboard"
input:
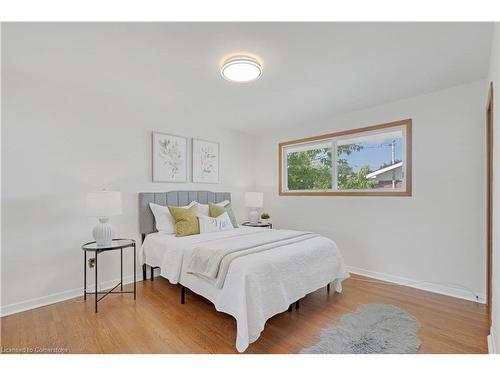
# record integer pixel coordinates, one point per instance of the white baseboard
(491, 342)
(62, 296)
(423, 285)
(492, 347)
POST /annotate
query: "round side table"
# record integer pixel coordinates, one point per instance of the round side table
(116, 244)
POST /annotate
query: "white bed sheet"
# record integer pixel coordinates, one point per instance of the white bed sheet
(257, 286)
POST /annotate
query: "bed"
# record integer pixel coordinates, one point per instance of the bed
(249, 273)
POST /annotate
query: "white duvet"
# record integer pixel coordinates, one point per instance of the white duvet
(257, 285)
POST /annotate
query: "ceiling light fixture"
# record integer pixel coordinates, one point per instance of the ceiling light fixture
(241, 69)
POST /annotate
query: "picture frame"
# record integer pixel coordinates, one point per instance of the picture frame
(170, 157)
(205, 160)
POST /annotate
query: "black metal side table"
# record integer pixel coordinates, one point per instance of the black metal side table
(116, 244)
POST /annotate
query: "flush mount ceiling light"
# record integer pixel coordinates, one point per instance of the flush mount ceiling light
(241, 69)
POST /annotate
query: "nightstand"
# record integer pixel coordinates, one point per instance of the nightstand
(117, 244)
(258, 225)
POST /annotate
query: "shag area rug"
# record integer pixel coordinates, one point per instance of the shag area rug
(372, 329)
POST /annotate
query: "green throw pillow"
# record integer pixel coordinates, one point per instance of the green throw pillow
(186, 221)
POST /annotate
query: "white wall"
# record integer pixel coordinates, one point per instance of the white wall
(495, 77)
(437, 235)
(58, 144)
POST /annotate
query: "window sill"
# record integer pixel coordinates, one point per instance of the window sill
(348, 193)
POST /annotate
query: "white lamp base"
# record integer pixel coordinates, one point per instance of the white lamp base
(253, 216)
(103, 232)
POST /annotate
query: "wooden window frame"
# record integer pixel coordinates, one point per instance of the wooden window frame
(407, 123)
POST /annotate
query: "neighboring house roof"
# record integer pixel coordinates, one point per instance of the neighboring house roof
(383, 170)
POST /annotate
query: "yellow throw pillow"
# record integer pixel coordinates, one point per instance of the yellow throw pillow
(215, 210)
(186, 222)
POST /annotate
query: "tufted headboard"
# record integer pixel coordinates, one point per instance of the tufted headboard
(172, 198)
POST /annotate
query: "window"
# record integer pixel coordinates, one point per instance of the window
(309, 167)
(375, 160)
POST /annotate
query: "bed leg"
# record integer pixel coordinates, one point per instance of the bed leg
(290, 308)
(144, 271)
(183, 295)
(152, 273)
(297, 304)
(328, 287)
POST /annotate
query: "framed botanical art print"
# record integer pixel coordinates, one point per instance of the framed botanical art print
(169, 158)
(205, 161)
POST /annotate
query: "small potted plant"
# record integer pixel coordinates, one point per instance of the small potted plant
(264, 218)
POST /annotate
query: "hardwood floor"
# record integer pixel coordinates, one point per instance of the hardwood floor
(158, 323)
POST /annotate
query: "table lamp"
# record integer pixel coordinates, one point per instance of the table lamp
(254, 200)
(103, 204)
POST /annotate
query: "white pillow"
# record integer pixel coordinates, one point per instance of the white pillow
(214, 224)
(223, 203)
(164, 221)
(201, 209)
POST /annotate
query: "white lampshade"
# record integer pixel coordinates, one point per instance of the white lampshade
(254, 199)
(104, 203)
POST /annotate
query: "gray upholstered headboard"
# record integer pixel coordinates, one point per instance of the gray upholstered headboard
(172, 198)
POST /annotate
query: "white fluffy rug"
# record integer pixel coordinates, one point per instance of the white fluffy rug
(372, 329)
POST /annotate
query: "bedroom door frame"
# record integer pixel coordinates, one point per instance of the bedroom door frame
(489, 200)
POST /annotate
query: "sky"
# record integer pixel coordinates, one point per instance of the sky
(374, 154)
